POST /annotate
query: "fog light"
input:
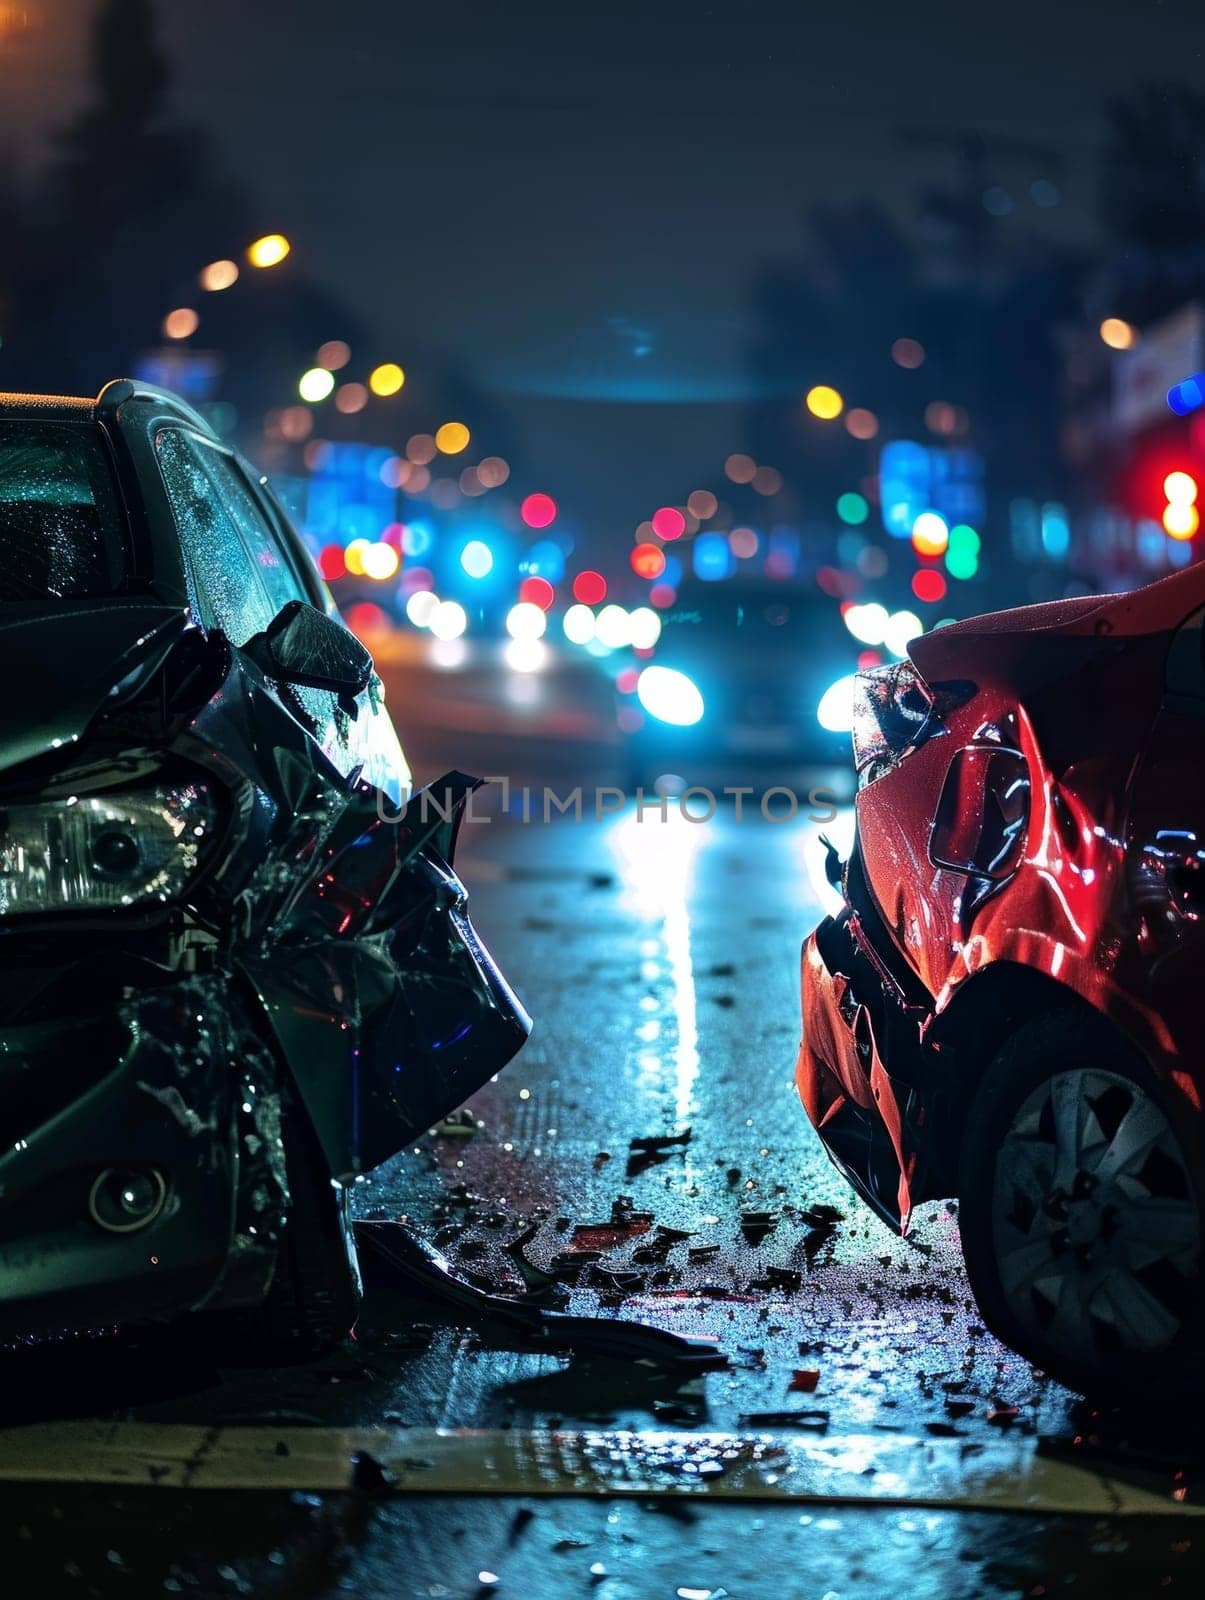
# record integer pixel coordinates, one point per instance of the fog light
(126, 1199)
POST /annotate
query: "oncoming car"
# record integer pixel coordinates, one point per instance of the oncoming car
(236, 966)
(1007, 1007)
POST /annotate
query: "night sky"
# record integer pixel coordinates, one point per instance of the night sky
(574, 198)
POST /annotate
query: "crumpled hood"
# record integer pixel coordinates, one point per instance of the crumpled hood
(1032, 645)
(59, 666)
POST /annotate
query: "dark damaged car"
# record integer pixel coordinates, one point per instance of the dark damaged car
(1008, 1007)
(236, 966)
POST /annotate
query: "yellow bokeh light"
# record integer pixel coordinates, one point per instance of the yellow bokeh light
(1181, 520)
(353, 557)
(1117, 333)
(824, 402)
(452, 438)
(386, 379)
(315, 384)
(218, 275)
(181, 323)
(1180, 488)
(269, 251)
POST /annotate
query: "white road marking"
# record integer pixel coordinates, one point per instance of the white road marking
(1011, 1474)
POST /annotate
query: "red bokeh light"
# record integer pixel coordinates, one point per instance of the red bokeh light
(869, 658)
(662, 595)
(393, 534)
(928, 585)
(647, 561)
(537, 592)
(627, 680)
(668, 523)
(538, 510)
(365, 618)
(589, 588)
(331, 562)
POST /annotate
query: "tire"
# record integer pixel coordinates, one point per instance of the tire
(1082, 1214)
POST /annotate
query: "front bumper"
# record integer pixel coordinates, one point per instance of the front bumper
(170, 1084)
(866, 1119)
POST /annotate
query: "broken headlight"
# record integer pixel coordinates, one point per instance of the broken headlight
(103, 851)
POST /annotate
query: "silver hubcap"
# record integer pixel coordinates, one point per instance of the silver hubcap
(1095, 1221)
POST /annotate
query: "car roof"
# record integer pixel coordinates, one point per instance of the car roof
(74, 408)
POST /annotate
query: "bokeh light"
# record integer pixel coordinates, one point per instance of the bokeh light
(590, 588)
(1117, 333)
(477, 558)
(702, 503)
(902, 627)
(852, 509)
(218, 275)
(386, 379)
(930, 534)
(526, 620)
(268, 251)
(451, 438)
(525, 655)
(578, 624)
(744, 543)
(861, 424)
(420, 449)
(350, 398)
(766, 481)
(492, 472)
(181, 323)
(962, 554)
(613, 627)
(662, 595)
(331, 562)
(333, 355)
(928, 585)
(420, 607)
(668, 523)
(867, 623)
(296, 423)
(740, 468)
(648, 561)
(1181, 520)
(315, 384)
(644, 628)
(908, 353)
(380, 561)
(354, 557)
(448, 620)
(538, 510)
(1180, 488)
(825, 402)
(537, 592)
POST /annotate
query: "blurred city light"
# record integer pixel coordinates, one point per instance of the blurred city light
(835, 713)
(477, 558)
(525, 620)
(670, 696)
(930, 534)
(613, 627)
(538, 510)
(451, 438)
(387, 379)
(333, 355)
(701, 503)
(590, 588)
(1117, 333)
(380, 561)
(824, 402)
(928, 585)
(578, 624)
(713, 558)
(853, 509)
(644, 628)
(1181, 519)
(867, 623)
(744, 543)
(1188, 396)
(420, 607)
(908, 353)
(269, 251)
(420, 449)
(962, 554)
(350, 398)
(647, 561)
(332, 563)
(1180, 488)
(668, 523)
(902, 627)
(526, 655)
(353, 556)
(492, 472)
(740, 468)
(315, 384)
(861, 424)
(448, 620)
(181, 323)
(766, 481)
(218, 275)
(537, 592)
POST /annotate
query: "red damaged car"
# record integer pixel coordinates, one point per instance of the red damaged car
(1007, 1009)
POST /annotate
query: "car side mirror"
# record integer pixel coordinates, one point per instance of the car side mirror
(303, 645)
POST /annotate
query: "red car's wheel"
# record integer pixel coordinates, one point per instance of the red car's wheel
(1081, 1214)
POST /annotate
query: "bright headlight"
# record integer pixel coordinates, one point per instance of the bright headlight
(97, 852)
(670, 696)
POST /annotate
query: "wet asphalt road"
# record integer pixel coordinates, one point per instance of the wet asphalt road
(660, 962)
